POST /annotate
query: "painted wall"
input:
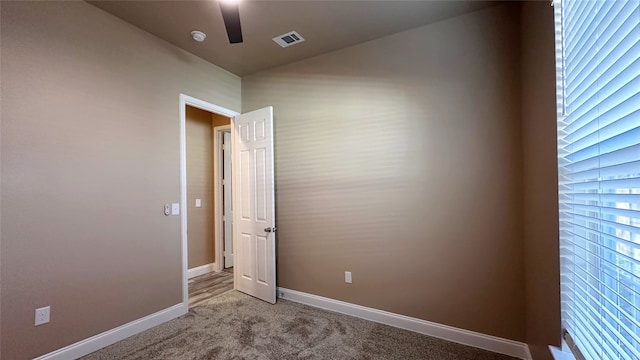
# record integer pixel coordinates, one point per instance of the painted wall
(89, 156)
(397, 160)
(200, 222)
(540, 178)
(400, 160)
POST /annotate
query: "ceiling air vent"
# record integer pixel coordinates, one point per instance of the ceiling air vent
(288, 39)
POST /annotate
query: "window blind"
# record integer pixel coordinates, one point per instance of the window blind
(598, 73)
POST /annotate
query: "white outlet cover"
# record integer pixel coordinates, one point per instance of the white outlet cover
(42, 315)
(175, 209)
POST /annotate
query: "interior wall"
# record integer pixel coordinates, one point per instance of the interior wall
(90, 154)
(400, 160)
(200, 220)
(541, 231)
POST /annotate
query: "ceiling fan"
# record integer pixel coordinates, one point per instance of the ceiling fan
(231, 17)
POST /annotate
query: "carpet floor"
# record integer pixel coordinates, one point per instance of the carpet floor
(236, 326)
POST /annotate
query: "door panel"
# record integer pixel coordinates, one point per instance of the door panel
(254, 221)
(261, 181)
(262, 254)
(247, 265)
(245, 185)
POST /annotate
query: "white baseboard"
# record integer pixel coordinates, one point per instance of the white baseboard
(492, 343)
(201, 270)
(94, 343)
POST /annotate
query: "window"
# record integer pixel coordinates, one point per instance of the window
(598, 56)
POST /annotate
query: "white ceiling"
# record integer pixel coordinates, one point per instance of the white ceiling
(325, 25)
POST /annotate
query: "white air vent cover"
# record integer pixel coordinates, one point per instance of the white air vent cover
(288, 39)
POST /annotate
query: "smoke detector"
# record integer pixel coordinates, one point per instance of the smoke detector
(288, 39)
(198, 36)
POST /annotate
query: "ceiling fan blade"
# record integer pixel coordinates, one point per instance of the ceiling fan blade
(231, 17)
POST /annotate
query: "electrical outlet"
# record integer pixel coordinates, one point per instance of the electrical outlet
(347, 277)
(175, 209)
(281, 294)
(42, 315)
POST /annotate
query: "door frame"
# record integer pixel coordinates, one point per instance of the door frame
(218, 132)
(185, 100)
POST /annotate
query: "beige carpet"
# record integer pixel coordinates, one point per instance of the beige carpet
(237, 326)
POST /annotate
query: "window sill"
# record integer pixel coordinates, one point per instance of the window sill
(560, 354)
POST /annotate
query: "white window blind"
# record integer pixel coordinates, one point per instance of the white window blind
(598, 56)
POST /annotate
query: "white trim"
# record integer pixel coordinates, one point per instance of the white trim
(560, 354)
(201, 270)
(234, 146)
(218, 132)
(487, 342)
(183, 200)
(203, 105)
(200, 104)
(97, 342)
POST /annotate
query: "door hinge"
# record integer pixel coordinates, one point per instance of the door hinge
(224, 182)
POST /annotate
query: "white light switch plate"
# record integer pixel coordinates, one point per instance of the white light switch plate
(175, 209)
(347, 277)
(198, 203)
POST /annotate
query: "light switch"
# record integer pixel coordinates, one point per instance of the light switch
(198, 203)
(175, 209)
(347, 277)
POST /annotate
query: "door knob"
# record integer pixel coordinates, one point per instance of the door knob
(273, 229)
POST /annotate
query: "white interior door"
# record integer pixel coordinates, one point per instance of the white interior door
(253, 203)
(227, 207)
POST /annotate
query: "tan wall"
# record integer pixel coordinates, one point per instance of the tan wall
(90, 153)
(200, 222)
(540, 178)
(400, 160)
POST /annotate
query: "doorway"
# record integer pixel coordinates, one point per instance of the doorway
(253, 198)
(195, 204)
(223, 200)
(208, 224)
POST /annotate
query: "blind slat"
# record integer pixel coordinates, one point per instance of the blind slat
(598, 84)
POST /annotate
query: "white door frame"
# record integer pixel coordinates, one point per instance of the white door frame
(200, 104)
(218, 132)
